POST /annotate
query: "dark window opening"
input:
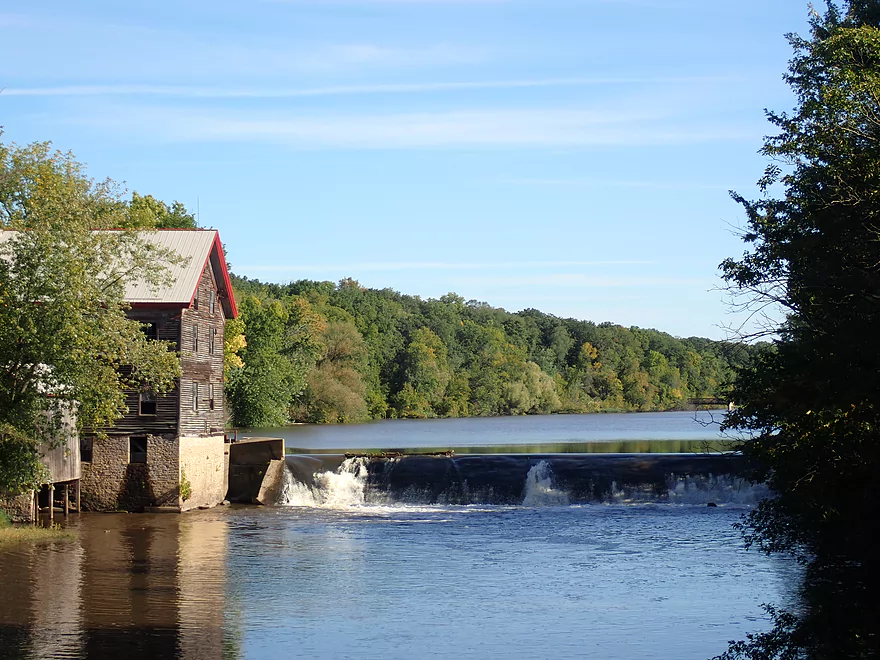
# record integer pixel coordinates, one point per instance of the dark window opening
(195, 396)
(211, 396)
(151, 330)
(137, 449)
(196, 303)
(85, 449)
(195, 339)
(212, 301)
(212, 340)
(147, 403)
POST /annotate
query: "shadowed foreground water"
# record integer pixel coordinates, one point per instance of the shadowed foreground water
(402, 581)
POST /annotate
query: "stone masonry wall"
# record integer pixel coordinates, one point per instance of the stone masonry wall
(111, 483)
(202, 462)
(19, 509)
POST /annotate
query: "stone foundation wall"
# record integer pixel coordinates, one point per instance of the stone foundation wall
(111, 483)
(19, 509)
(202, 463)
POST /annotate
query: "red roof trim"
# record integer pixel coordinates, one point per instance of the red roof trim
(216, 248)
(227, 283)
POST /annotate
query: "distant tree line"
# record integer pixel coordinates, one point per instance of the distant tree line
(323, 352)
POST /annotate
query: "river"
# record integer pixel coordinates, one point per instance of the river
(334, 573)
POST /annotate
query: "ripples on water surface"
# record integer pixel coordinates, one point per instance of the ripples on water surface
(332, 575)
(646, 581)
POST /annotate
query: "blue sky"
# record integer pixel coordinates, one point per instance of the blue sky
(568, 155)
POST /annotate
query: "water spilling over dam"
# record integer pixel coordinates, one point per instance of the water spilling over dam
(335, 481)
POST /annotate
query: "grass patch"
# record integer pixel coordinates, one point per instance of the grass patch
(28, 534)
(11, 533)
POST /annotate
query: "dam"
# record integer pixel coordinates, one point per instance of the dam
(677, 458)
(513, 479)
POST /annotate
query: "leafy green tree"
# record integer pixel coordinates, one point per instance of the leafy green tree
(261, 390)
(426, 373)
(815, 251)
(21, 468)
(336, 388)
(66, 343)
(148, 212)
(810, 406)
(233, 342)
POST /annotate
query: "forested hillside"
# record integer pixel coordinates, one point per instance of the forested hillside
(323, 352)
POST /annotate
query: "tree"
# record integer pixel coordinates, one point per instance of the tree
(65, 340)
(816, 252)
(426, 374)
(336, 388)
(263, 382)
(811, 406)
(147, 211)
(21, 467)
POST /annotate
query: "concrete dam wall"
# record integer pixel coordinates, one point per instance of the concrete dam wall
(514, 479)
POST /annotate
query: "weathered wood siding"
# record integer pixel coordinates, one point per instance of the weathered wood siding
(199, 365)
(61, 457)
(63, 460)
(167, 405)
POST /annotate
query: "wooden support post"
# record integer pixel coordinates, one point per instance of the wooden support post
(51, 502)
(66, 500)
(35, 505)
(78, 507)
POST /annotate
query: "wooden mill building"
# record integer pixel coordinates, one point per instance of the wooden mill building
(168, 451)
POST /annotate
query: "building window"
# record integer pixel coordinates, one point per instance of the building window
(212, 301)
(196, 339)
(137, 449)
(212, 338)
(151, 330)
(85, 449)
(147, 403)
(196, 302)
(195, 396)
(211, 396)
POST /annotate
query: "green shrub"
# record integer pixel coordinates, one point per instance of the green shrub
(185, 487)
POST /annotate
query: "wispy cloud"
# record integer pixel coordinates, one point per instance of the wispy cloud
(577, 280)
(386, 2)
(529, 128)
(133, 51)
(604, 183)
(377, 266)
(195, 91)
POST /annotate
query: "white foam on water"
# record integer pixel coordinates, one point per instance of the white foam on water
(539, 490)
(343, 489)
(697, 490)
(346, 489)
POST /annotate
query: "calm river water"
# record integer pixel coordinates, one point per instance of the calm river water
(345, 579)
(608, 432)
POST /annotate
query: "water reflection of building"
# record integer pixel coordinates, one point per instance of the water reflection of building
(40, 609)
(131, 587)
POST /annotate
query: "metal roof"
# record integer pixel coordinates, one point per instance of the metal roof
(195, 246)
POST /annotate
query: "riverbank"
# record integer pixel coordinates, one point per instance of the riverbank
(11, 533)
